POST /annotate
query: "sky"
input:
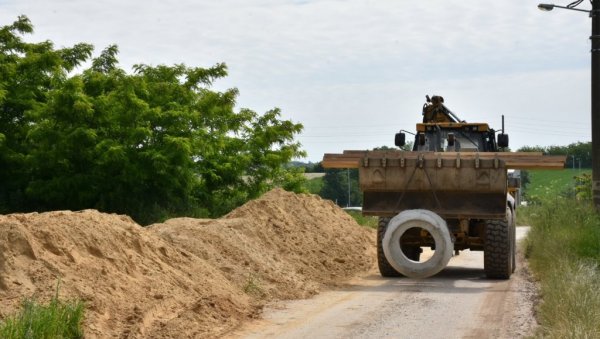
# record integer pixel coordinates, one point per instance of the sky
(355, 72)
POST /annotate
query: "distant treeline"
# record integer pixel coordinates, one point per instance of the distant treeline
(578, 154)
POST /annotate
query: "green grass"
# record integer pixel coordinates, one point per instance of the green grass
(563, 248)
(367, 221)
(549, 183)
(57, 319)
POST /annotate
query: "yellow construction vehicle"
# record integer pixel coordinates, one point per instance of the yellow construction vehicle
(450, 193)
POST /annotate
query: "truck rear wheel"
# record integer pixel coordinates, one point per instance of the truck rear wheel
(513, 239)
(398, 258)
(385, 269)
(499, 247)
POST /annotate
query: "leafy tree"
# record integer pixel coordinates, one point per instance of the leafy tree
(310, 167)
(28, 71)
(335, 182)
(155, 143)
(408, 146)
(335, 187)
(317, 168)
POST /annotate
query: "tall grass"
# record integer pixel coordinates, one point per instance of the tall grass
(563, 248)
(57, 319)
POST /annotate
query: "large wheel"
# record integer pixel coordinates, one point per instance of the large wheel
(437, 228)
(386, 270)
(513, 239)
(498, 252)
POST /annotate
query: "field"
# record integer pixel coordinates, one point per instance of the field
(547, 183)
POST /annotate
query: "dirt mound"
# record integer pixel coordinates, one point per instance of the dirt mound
(186, 277)
(282, 245)
(134, 283)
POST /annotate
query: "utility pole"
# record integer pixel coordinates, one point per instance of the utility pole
(595, 14)
(348, 187)
(595, 52)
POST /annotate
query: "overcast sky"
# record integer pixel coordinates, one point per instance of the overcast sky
(354, 72)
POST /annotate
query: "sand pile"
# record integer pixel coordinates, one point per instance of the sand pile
(134, 283)
(186, 277)
(280, 246)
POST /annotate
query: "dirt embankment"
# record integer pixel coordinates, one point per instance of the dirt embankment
(185, 277)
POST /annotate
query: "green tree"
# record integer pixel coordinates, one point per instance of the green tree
(155, 143)
(28, 71)
(408, 146)
(335, 187)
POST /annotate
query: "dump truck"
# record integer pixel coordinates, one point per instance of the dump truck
(450, 193)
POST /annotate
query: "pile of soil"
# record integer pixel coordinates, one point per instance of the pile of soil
(185, 277)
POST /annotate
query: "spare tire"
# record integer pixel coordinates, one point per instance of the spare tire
(432, 223)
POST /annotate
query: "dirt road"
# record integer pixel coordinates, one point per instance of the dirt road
(456, 303)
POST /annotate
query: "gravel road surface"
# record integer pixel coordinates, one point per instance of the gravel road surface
(459, 302)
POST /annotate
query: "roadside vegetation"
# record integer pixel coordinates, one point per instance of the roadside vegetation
(314, 185)
(563, 248)
(155, 142)
(544, 184)
(57, 319)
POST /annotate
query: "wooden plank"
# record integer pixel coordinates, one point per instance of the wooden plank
(521, 156)
(350, 163)
(463, 155)
(513, 160)
(340, 163)
(536, 165)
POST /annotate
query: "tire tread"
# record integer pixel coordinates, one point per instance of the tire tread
(497, 252)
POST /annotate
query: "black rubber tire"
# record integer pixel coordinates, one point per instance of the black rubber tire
(513, 239)
(499, 248)
(386, 270)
